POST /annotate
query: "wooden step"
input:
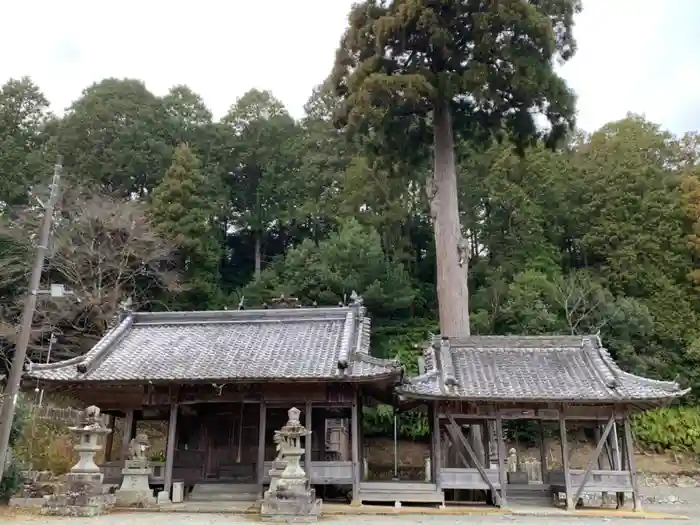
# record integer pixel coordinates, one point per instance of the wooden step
(396, 491)
(532, 495)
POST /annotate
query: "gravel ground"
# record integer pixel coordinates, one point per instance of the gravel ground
(218, 519)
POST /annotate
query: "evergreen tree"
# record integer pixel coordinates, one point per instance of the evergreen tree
(411, 72)
(184, 209)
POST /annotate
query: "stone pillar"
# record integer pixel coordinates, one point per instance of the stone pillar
(82, 494)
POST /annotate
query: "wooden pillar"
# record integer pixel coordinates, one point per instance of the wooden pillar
(261, 446)
(485, 442)
(600, 462)
(502, 474)
(129, 430)
(308, 423)
(543, 453)
(565, 461)
(356, 449)
(632, 464)
(615, 460)
(170, 449)
(109, 441)
(615, 446)
(435, 445)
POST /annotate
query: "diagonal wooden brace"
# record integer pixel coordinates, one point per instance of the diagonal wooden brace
(596, 455)
(457, 436)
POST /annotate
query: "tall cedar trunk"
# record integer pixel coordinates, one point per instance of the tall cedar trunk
(258, 254)
(452, 285)
(452, 290)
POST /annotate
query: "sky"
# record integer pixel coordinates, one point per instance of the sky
(634, 55)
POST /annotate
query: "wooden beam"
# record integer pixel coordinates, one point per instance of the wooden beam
(435, 452)
(170, 450)
(632, 464)
(457, 436)
(129, 429)
(565, 461)
(501, 445)
(356, 451)
(109, 441)
(261, 446)
(308, 440)
(543, 452)
(595, 459)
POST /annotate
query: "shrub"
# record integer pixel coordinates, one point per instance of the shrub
(11, 480)
(46, 445)
(676, 428)
(11, 483)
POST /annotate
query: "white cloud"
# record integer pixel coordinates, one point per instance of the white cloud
(633, 55)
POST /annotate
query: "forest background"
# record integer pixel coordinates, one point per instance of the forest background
(166, 206)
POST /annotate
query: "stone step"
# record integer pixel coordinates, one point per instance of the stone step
(224, 492)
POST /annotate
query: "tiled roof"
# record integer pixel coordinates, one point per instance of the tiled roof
(534, 368)
(248, 345)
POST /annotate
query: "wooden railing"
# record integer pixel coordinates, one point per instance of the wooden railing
(599, 480)
(468, 478)
(113, 472)
(323, 472)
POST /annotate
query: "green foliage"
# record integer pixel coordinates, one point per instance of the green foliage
(18, 423)
(183, 210)
(24, 119)
(379, 421)
(10, 484)
(676, 428)
(401, 59)
(116, 137)
(11, 480)
(351, 259)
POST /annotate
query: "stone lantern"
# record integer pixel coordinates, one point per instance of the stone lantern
(291, 498)
(82, 494)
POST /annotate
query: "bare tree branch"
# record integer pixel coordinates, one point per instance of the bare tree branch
(103, 250)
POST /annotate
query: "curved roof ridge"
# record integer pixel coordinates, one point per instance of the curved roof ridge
(670, 386)
(379, 361)
(447, 366)
(346, 340)
(246, 316)
(514, 342)
(536, 368)
(97, 351)
(427, 376)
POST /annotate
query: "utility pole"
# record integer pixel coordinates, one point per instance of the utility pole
(13, 383)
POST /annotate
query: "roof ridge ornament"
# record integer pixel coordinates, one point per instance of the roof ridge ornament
(282, 302)
(356, 299)
(446, 364)
(124, 310)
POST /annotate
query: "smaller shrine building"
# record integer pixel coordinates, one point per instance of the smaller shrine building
(486, 380)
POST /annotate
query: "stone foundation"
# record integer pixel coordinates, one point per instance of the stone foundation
(135, 490)
(82, 495)
(292, 508)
